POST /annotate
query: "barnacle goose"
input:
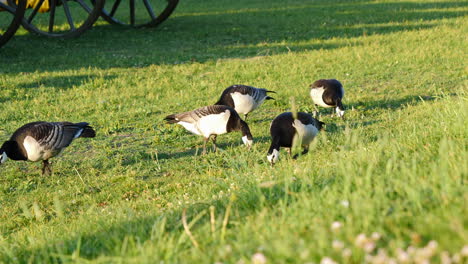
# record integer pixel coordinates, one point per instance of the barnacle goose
(285, 130)
(328, 93)
(244, 99)
(211, 121)
(43, 140)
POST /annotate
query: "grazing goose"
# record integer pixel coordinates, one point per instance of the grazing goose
(43, 140)
(212, 120)
(285, 130)
(328, 93)
(244, 99)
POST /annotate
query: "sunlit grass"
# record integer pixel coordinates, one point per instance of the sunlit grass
(393, 175)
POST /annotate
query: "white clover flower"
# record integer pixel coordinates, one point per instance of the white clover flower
(432, 245)
(402, 256)
(337, 245)
(345, 203)
(346, 253)
(360, 240)
(336, 226)
(445, 258)
(258, 258)
(327, 260)
(456, 258)
(464, 251)
(375, 236)
(368, 246)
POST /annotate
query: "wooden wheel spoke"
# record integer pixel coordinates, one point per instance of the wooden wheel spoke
(7, 8)
(114, 7)
(85, 6)
(68, 14)
(132, 12)
(52, 16)
(150, 9)
(34, 12)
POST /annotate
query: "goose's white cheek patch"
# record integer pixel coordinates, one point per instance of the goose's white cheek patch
(274, 156)
(3, 158)
(247, 141)
(339, 112)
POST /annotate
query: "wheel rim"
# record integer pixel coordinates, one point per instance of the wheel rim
(62, 18)
(138, 13)
(10, 19)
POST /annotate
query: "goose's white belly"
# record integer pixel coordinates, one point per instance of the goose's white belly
(190, 127)
(35, 151)
(213, 124)
(208, 125)
(317, 96)
(305, 133)
(243, 103)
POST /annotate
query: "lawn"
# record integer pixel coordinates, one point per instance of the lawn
(389, 183)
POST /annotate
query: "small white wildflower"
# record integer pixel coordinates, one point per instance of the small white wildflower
(422, 255)
(464, 251)
(375, 236)
(337, 245)
(336, 226)
(327, 260)
(368, 246)
(345, 203)
(360, 240)
(369, 258)
(346, 253)
(258, 258)
(445, 258)
(381, 257)
(456, 258)
(411, 250)
(432, 245)
(402, 256)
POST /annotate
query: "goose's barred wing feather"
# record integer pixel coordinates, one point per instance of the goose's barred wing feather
(197, 114)
(54, 135)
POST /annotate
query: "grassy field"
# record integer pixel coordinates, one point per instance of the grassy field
(387, 184)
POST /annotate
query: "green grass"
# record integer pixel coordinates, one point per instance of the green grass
(396, 166)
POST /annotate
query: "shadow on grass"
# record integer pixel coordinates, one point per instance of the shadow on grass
(391, 103)
(62, 82)
(209, 31)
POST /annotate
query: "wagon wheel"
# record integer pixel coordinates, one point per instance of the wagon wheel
(10, 18)
(138, 13)
(62, 18)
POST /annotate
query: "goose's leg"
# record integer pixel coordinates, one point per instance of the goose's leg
(214, 142)
(305, 150)
(46, 169)
(316, 112)
(204, 144)
(245, 117)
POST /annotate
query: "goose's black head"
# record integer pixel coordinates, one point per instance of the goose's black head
(319, 124)
(235, 123)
